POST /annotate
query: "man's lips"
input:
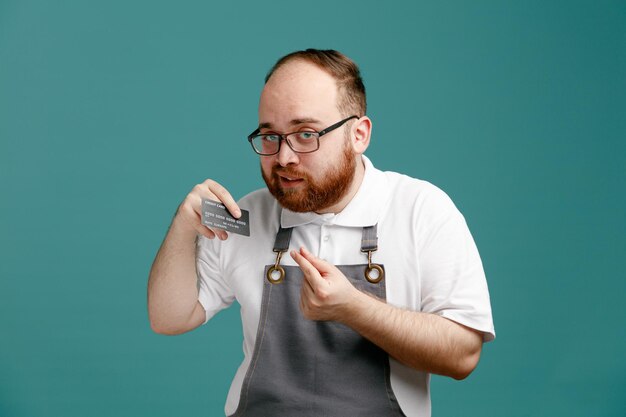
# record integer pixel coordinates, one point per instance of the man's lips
(288, 180)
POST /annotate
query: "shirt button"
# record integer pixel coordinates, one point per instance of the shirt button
(326, 238)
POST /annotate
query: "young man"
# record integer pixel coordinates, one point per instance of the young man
(383, 284)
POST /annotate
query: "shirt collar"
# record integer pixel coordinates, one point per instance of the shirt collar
(363, 210)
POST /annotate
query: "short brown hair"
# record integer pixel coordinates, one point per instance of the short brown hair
(345, 72)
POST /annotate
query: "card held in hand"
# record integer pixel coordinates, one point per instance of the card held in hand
(215, 215)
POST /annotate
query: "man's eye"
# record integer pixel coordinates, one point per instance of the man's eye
(271, 138)
(306, 135)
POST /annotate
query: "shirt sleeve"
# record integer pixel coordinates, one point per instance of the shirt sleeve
(214, 293)
(453, 283)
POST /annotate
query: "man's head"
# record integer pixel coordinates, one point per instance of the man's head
(310, 91)
(350, 88)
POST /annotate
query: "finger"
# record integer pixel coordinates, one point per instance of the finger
(303, 306)
(191, 217)
(307, 290)
(206, 232)
(311, 274)
(221, 234)
(319, 264)
(302, 262)
(197, 207)
(224, 196)
(307, 297)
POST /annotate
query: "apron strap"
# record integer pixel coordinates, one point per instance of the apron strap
(369, 239)
(283, 237)
(276, 274)
(374, 273)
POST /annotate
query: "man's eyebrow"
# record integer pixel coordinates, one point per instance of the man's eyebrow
(293, 122)
(304, 120)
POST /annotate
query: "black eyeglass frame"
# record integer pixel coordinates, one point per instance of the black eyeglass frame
(283, 137)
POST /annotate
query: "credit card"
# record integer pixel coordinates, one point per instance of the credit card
(215, 215)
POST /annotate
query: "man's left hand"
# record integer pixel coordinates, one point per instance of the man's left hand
(326, 292)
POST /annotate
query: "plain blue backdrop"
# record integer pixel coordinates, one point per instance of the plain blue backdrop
(111, 111)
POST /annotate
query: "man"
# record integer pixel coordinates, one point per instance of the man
(383, 284)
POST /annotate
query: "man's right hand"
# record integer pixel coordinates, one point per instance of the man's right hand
(173, 305)
(189, 214)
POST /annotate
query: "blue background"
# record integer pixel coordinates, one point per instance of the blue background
(111, 111)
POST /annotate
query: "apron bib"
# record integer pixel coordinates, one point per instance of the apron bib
(302, 367)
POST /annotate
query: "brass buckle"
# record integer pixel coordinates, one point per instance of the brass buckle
(380, 272)
(270, 275)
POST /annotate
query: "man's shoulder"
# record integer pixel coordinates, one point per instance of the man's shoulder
(261, 195)
(407, 188)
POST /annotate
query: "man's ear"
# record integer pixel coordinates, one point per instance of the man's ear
(361, 132)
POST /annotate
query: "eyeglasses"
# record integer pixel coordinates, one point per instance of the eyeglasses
(266, 144)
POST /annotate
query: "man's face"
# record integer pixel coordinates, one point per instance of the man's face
(300, 96)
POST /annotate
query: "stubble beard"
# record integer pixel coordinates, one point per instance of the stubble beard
(313, 195)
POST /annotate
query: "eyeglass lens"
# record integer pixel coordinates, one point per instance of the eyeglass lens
(299, 142)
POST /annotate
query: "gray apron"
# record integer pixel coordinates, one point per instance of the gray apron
(302, 367)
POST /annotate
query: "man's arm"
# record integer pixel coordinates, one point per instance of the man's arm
(173, 306)
(423, 341)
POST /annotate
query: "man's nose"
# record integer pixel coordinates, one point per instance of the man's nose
(286, 155)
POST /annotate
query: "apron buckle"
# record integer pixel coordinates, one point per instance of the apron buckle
(276, 274)
(374, 273)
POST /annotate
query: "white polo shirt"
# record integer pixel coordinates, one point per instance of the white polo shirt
(431, 263)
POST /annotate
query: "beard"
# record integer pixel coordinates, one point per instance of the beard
(314, 195)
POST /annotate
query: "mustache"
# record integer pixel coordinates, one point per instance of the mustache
(289, 172)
